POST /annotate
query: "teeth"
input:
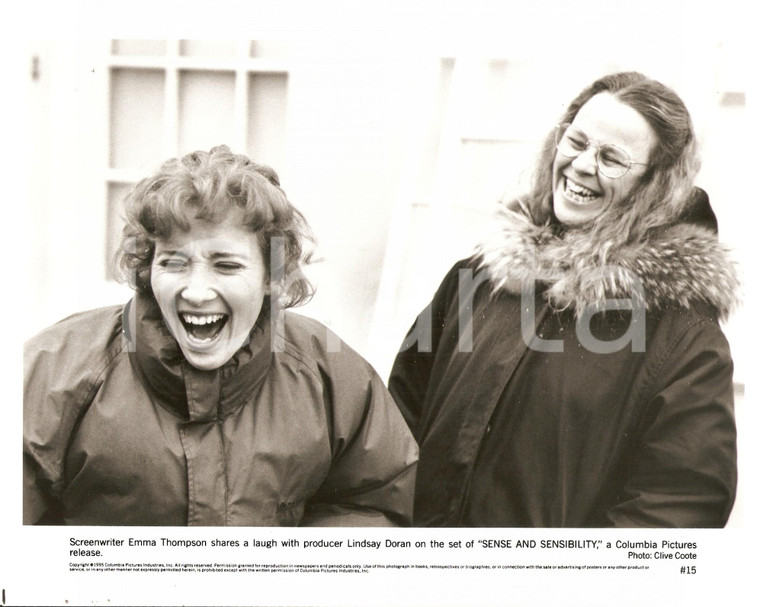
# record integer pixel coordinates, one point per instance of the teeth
(201, 320)
(579, 189)
(578, 192)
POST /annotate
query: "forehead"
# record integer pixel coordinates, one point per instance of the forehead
(207, 237)
(605, 119)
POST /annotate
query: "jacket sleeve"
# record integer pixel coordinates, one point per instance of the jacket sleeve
(374, 456)
(62, 370)
(683, 472)
(412, 368)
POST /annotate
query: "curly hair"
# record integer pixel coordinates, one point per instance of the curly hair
(207, 186)
(666, 186)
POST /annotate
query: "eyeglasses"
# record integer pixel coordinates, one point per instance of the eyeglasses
(613, 162)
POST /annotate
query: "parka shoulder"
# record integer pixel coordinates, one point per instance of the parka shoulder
(318, 348)
(75, 350)
(96, 329)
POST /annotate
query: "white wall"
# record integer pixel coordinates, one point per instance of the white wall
(346, 131)
(364, 147)
(344, 125)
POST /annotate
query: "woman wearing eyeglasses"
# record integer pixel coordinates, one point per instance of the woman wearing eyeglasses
(573, 372)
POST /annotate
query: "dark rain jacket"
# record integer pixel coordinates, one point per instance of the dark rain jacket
(531, 412)
(120, 430)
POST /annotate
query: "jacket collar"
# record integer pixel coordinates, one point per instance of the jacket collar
(189, 392)
(681, 264)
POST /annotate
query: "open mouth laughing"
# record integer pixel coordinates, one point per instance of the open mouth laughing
(203, 329)
(579, 194)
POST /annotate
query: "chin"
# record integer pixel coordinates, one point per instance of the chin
(571, 213)
(213, 358)
(205, 363)
(207, 367)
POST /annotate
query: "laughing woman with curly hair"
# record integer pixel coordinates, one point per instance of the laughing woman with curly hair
(202, 401)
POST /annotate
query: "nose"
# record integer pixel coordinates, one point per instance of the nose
(585, 162)
(199, 289)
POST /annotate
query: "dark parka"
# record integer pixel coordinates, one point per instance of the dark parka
(120, 430)
(621, 418)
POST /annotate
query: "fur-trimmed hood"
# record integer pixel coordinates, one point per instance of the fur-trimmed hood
(679, 264)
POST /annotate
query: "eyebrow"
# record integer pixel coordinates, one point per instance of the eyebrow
(612, 145)
(172, 253)
(214, 255)
(580, 130)
(227, 254)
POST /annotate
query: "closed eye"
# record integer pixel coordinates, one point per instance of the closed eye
(613, 157)
(577, 143)
(173, 263)
(228, 266)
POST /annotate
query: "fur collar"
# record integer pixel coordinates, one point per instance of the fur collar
(681, 264)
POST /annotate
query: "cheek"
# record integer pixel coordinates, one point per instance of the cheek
(619, 189)
(157, 281)
(162, 286)
(558, 166)
(246, 298)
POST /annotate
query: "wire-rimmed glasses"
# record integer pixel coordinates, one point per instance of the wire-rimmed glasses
(612, 161)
